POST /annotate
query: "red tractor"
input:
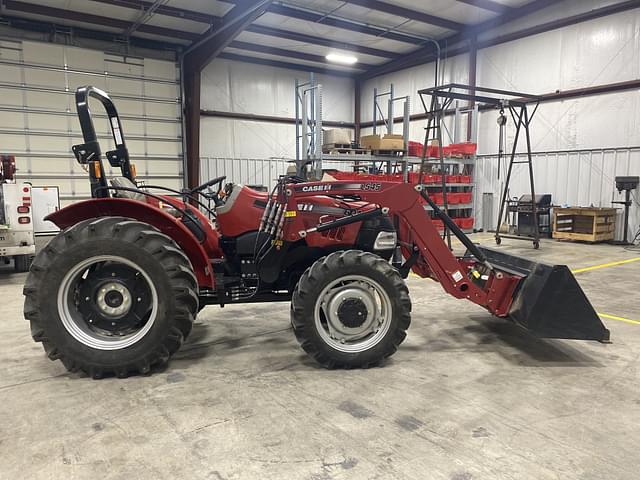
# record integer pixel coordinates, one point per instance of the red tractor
(117, 291)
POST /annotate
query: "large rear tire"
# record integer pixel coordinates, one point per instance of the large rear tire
(350, 309)
(109, 296)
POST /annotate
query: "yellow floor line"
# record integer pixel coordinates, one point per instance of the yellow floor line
(620, 319)
(605, 265)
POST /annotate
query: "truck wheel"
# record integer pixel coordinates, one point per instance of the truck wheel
(111, 295)
(350, 309)
(22, 263)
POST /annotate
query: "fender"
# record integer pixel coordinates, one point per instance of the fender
(123, 207)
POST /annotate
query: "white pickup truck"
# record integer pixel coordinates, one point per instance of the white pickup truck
(16, 224)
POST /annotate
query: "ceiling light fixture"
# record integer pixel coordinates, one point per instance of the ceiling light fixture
(341, 58)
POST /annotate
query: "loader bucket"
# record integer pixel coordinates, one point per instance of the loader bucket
(549, 301)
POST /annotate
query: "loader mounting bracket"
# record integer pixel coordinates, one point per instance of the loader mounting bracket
(86, 152)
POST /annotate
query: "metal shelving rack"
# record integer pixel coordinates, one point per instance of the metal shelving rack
(308, 111)
(435, 111)
(441, 99)
(388, 123)
(308, 100)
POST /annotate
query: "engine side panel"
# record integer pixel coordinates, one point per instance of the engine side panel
(241, 212)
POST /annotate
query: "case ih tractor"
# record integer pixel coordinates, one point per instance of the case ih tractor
(117, 291)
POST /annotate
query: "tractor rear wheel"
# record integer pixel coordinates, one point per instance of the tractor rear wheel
(350, 309)
(111, 295)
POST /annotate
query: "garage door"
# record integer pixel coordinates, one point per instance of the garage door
(38, 123)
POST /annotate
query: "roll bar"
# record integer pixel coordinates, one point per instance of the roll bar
(88, 153)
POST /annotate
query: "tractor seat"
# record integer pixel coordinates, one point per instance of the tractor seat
(126, 183)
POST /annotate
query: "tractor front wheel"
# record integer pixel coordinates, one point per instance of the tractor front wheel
(350, 309)
(111, 296)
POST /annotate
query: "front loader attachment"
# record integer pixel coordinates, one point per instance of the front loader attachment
(549, 301)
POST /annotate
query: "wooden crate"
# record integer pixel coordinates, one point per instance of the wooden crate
(586, 224)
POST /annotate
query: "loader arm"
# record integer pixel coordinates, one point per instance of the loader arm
(545, 299)
(417, 233)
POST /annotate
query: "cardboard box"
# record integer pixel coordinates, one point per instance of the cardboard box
(336, 136)
(387, 142)
(392, 142)
(371, 142)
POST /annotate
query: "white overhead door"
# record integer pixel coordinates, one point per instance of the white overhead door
(38, 122)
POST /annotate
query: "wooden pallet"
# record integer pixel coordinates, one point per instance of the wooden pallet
(584, 224)
(389, 153)
(345, 151)
(336, 146)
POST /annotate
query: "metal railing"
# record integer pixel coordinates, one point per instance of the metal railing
(248, 171)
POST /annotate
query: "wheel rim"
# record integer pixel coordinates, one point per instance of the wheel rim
(107, 302)
(352, 314)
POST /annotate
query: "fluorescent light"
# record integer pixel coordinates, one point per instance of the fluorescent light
(341, 58)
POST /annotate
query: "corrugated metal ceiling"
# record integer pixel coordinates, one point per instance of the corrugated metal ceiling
(376, 30)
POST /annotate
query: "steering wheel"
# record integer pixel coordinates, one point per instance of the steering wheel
(210, 196)
(210, 183)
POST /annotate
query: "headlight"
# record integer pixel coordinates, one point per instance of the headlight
(385, 241)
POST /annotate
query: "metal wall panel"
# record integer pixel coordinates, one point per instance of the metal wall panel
(38, 123)
(409, 81)
(243, 139)
(263, 90)
(246, 88)
(247, 171)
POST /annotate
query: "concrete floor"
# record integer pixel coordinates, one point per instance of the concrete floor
(466, 397)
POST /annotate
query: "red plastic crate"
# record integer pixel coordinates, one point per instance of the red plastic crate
(433, 178)
(453, 178)
(465, 222)
(438, 223)
(453, 198)
(465, 197)
(415, 149)
(437, 198)
(464, 178)
(463, 148)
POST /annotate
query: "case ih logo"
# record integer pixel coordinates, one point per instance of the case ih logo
(316, 188)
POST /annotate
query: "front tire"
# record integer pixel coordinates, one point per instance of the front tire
(350, 309)
(111, 295)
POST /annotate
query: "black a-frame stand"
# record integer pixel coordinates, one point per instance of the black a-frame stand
(518, 105)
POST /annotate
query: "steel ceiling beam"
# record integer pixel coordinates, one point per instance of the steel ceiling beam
(252, 117)
(166, 10)
(211, 43)
(426, 54)
(253, 47)
(144, 17)
(278, 9)
(489, 5)
(327, 42)
(543, 98)
(332, 21)
(188, 15)
(408, 13)
(281, 64)
(51, 12)
(111, 37)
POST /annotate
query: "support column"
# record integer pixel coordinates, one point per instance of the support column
(473, 58)
(191, 119)
(356, 110)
